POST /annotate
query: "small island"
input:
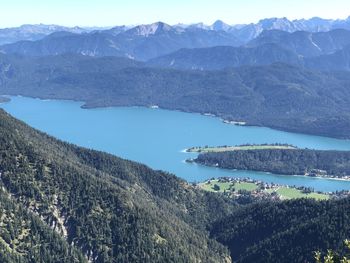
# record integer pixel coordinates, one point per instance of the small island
(277, 159)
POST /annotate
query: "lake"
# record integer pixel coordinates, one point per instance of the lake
(158, 137)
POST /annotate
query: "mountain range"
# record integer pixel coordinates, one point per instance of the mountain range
(321, 51)
(247, 32)
(194, 47)
(140, 43)
(35, 32)
(241, 34)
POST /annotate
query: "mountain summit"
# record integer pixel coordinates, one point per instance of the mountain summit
(152, 29)
(220, 25)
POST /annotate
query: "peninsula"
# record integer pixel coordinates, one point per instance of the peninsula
(284, 160)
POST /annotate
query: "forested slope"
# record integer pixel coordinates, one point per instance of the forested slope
(25, 238)
(289, 231)
(109, 209)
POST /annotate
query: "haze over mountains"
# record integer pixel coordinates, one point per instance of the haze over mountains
(141, 42)
(35, 32)
(312, 50)
(144, 42)
(250, 31)
(244, 32)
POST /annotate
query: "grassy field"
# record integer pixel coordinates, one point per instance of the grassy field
(245, 186)
(238, 148)
(291, 193)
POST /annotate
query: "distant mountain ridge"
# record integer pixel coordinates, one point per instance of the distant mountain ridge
(144, 42)
(141, 42)
(322, 51)
(304, 43)
(94, 44)
(35, 32)
(244, 32)
(216, 58)
(247, 32)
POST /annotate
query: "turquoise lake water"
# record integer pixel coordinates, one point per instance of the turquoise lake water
(158, 137)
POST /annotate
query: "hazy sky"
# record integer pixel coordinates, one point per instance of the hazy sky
(118, 12)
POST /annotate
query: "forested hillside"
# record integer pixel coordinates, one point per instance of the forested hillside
(25, 238)
(289, 231)
(306, 44)
(222, 57)
(106, 208)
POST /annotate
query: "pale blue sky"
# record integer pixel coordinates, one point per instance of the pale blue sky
(118, 12)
